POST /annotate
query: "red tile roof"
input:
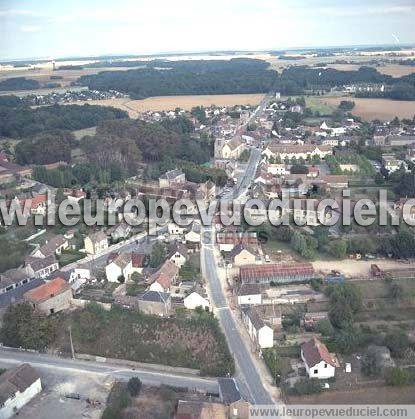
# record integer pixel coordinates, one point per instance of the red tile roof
(137, 259)
(272, 271)
(315, 351)
(44, 292)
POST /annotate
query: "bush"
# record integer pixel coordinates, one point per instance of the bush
(397, 377)
(307, 386)
(134, 386)
(397, 342)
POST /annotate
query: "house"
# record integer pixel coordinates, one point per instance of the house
(249, 294)
(54, 246)
(243, 255)
(163, 278)
(155, 303)
(137, 262)
(194, 300)
(42, 267)
(74, 195)
(319, 363)
(261, 335)
(51, 297)
(96, 243)
(296, 151)
(171, 177)
(230, 395)
(336, 181)
(392, 164)
(229, 149)
(279, 273)
(193, 236)
(38, 204)
(228, 240)
(18, 386)
(119, 232)
(200, 410)
(174, 230)
(15, 278)
(119, 268)
(178, 254)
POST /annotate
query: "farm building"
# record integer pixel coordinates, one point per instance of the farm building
(278, 273)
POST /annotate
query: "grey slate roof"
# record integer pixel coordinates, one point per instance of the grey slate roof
(155, 296)
(16, 380)
(228, 390)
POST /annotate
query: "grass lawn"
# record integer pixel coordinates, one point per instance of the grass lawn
(196, 343)
(70, 256)
(317, 104)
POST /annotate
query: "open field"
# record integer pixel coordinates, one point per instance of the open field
(394, 70)
(370, 109)
(166, 103)
(368, 395)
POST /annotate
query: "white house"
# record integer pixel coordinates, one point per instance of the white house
(96, 243)
(17, 387)
(121, 266)
(178, 254)
(175, 230)
(249, 294)
(193, 236)
(195, 300)
(319, 363)
(261, 334)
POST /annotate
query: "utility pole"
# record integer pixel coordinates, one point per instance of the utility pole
(70, 338)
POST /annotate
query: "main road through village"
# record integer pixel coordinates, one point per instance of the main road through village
(247, 375)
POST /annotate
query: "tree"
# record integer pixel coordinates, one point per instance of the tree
(370, 365)
(158, 255)
(23, 327)
(134, 386)
(337, 248)
(299, 169)
(346, 105)
(325, 327)
(304, 244)
(397, 342)
(345, 301)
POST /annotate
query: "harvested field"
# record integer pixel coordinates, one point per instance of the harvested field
(394, 70)
(370, 109)
(167, 103)
(368, 395)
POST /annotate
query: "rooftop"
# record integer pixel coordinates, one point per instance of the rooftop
(48, 290)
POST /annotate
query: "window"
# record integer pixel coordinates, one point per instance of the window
(325, 365)
(315, 371)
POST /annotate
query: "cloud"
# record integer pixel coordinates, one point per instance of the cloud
(29, 28)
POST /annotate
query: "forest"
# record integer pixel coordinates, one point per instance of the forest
(19, 121)
(163, 78)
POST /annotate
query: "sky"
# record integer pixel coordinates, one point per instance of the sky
(63, 28)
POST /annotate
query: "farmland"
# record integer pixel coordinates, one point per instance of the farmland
(370, 109)
(166, 103)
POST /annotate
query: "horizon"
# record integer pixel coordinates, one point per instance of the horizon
(116, 55)
(50, 29)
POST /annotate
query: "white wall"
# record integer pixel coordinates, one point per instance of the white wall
(265, 337)
(250, 299)
(20, 399)
(113, 272)
(322, 370)
(195, 300)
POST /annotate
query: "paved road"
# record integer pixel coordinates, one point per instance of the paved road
(48, 365)
(251, 378)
